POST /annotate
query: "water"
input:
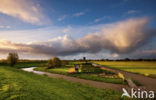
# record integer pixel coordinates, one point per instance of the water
(31, 69)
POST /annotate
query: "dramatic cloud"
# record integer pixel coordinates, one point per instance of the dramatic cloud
(117, 38)
(56, 46)
(121, 37)
(25, 10)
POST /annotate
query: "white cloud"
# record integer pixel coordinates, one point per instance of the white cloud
(117, 38)
(103, 18)
(5, 27)
(26, 10)
(132, 11)
(72, 15)
(67, 29)
(115, 55)
(121, 37)
(79, 14)
(62, 18)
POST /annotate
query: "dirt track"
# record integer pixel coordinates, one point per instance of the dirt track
(147, 82)
(89, 82)
(82, 81)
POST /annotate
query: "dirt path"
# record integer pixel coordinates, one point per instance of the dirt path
(147, 82)
(89, 82)
(82, 81)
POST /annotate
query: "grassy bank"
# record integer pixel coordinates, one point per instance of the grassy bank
(16, 84)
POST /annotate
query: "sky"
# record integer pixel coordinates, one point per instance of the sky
(72, 29)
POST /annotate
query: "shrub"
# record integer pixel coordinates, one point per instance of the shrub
(12, 59)
(86, 67)
(50, 63)
(56, 62)
(89, 68)
(53, 63)
(64, 63)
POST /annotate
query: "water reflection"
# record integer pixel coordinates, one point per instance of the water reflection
(31, 69)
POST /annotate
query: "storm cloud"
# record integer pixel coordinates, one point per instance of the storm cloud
(120, 38)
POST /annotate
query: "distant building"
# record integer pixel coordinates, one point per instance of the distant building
(84, 58)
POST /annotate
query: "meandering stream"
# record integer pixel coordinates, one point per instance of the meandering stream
(31, 69)
(75, 79)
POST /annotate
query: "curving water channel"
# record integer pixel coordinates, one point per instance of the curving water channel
(31, 69)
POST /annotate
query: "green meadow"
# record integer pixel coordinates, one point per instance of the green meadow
(147, 68)
(26, 64)
(95, 77)
(16, 84)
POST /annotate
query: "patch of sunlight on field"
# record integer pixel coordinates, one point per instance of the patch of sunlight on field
(72, 70)
(128, 65)
(142, 71)
(142, 67)
(61, 69)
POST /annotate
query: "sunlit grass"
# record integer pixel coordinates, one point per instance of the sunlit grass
(95, 77)
(142, 71)
(141, 67)
(16, 84)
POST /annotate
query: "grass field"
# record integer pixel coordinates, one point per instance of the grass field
(95, 77)
(140, 67)
(16, 84)
(27, 64)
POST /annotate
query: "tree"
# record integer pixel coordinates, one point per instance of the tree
(55, 62)
(50, 63)
(126, 59)
(12, 59)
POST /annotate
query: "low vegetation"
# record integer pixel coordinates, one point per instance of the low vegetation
(54, 63)
(16, 84)
(23, 64)
(87, 71)
(12, 59)
(147, 68)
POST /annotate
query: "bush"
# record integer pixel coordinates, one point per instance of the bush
(56, 62)
(64, 63)
(12, 59)
(53, 63)
(50, 63)
(86, 67)
(89, 68)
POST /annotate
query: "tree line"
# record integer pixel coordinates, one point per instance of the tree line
(13, 58)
